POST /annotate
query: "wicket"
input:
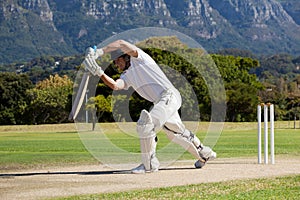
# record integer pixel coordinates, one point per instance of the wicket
(272, 146)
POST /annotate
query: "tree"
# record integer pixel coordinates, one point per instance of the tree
(50, 100)
(241, 86)
(99, 104)
(242, 100)
(13, 97)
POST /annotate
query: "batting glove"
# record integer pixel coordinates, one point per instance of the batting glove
(94, 52)
(91, 65)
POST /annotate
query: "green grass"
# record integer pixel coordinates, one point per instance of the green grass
(244, 143)
(44, 145)
(18, 150)
(29, 146)
(271, 188)
(57, 145)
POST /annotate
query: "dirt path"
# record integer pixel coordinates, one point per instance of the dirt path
(55, 182)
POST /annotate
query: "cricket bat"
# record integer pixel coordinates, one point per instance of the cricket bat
(80, 96)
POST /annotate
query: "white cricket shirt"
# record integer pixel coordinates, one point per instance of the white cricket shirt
(146, 77)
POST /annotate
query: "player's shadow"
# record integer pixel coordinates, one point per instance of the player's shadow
(62, 173)
(12, 175)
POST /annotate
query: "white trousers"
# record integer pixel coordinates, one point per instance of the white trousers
(165, 115)
(165, 112)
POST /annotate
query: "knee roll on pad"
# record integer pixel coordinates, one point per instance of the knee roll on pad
(145, 118)
(145, 126)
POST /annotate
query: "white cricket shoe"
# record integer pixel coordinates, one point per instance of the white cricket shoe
(142, 170)
(139, 169)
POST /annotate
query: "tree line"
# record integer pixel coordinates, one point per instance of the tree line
(34, 98)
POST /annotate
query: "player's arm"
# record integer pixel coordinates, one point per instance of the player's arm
(126, 47)
(115, 85)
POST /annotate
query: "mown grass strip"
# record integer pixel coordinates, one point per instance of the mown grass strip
(53, 144)
(269, 188)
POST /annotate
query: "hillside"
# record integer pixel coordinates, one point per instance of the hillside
(292, 7)
(30, 28)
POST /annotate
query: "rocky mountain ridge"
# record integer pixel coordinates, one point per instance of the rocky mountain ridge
(30, 28)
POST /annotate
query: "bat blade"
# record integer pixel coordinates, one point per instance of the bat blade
(80, 96)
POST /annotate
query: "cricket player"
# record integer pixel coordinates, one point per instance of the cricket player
(141, 72)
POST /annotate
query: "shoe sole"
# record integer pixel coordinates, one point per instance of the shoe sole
(136, 172)
(143, 171)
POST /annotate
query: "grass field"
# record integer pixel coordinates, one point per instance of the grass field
(23, 147)
(272, 188)
(29, 146)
